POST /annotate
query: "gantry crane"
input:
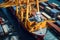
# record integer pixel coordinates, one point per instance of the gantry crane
(24, 13)
(25, 16)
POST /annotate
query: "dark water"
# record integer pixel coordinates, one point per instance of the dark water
(20, 32)
(55, 1)
(23, 35)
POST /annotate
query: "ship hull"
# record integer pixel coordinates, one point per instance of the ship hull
(37, 36)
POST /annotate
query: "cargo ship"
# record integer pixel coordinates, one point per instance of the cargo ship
(32, 18)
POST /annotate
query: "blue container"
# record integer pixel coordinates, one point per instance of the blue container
(58, 22)
(1, 31)
(43, 4)
(54, 12)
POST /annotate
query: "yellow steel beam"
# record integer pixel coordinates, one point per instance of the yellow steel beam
(22, 14)
(27, 11)
(43, 1)
(7, 4)
(37, 2)
(18, 3)
(17, 10)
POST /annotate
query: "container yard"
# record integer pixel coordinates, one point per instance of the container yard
(29, 20)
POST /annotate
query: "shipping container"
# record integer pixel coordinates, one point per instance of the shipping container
(42, 8)
(58, 17)
(55, 4)
(43, 4)
(13, 36)
(58, 23)
(1, 31)
(5, 28)
(52, 6)
(58, 8)
(46, 15)
(47, 9)
(54, 12)
(47, 2)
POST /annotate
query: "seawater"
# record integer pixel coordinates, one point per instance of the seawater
(55, 1)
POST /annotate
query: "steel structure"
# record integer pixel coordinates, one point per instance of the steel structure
(24, 13)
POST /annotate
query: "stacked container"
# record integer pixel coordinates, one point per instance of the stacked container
(58, 8)
(41, 8)
(47, 9)
(54, 12)
(43, 4)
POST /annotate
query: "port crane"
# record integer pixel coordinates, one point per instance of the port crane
(24, 13)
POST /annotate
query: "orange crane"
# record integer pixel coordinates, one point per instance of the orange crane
(25, 12)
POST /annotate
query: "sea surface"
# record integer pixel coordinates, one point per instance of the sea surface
(55, 1)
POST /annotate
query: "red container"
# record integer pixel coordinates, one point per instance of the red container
(52, 5)
(41, 7)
